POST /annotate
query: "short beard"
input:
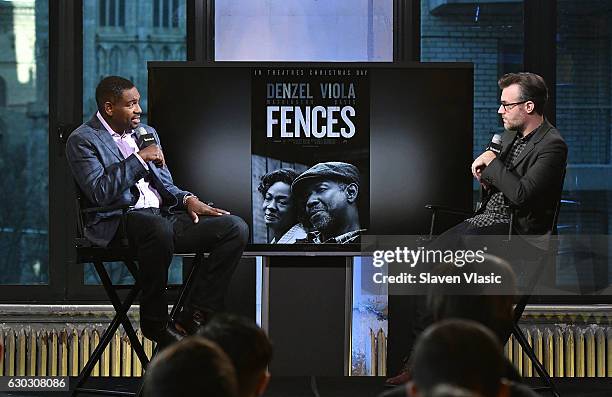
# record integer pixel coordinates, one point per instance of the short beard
(324, 220)
(519, 129)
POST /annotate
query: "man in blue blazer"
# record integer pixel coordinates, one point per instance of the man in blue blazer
(163, 219)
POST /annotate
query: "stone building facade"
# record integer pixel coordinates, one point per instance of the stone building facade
(120, 36)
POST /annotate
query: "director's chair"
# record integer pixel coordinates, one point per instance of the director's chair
(546, 261)
(90, 253)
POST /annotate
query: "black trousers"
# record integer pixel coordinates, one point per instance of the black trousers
(157, 237)
(457, 237)
(409, 314)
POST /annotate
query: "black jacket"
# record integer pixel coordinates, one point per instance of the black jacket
(533, 184)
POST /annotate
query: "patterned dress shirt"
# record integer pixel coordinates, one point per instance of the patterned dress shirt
(496, 210)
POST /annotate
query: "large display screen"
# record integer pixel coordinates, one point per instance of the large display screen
(313, 156)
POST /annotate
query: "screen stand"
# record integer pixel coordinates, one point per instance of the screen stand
(307, 312)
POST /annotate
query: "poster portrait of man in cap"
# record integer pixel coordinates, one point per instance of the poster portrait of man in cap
(330, 194)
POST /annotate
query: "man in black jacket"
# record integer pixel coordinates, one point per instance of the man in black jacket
(527, 175)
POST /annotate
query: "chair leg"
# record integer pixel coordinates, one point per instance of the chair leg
(104, 341)
(518, 333)
(522, 340)
(520, 307)
(522, 303)
(198, 262)
(121, 309)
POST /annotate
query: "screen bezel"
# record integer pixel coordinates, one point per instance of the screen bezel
(306, 249)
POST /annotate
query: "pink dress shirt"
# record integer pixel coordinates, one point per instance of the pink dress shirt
(149, 197)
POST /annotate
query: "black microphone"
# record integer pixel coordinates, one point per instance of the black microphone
(144, 138)
(495, 145)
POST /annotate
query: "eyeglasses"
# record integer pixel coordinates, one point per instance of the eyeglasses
(510, 106)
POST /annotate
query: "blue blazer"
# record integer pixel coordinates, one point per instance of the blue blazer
(107, 178)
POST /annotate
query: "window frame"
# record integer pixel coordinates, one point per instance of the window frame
(65, 60)
(66, 81)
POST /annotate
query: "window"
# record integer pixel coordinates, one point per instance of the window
(488, 34)
(304, 30)
(111, 13)
(102, 13)
(24, 112)
(167, 14)
(2, 92)
(104, 55)
(175, 13)
(584, 118)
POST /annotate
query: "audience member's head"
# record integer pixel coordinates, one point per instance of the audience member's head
(488, 304)
(192, 367)
(461, 353)
(247, 346)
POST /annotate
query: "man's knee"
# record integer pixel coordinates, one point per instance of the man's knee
(232, 227)
(238, 228)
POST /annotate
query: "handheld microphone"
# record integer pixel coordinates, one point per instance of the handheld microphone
(495, 145)
(144, 138)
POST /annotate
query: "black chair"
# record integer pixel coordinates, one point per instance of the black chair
(90, 253)
(547, 260)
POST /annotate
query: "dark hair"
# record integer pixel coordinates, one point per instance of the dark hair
(461, 353)
(444, 390)
(487, 304)
(533, 88)
(245, 343)
(286, 175)
(110, 89)
(193, 364)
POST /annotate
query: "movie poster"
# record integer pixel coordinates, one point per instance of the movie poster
(310, 137)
